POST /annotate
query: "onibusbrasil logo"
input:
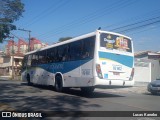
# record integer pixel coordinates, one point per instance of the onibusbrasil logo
(19, 114)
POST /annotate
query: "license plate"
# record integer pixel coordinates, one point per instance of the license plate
(116, 73)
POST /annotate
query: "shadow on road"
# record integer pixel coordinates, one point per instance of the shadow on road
(77, 92)
(19, 96)
(95, 94)
(158, 94)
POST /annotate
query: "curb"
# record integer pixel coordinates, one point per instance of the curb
(9, 78)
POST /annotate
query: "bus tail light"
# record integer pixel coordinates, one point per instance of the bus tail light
(132, 74)
(99, 72)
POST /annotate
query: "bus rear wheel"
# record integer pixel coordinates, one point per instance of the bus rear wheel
(87, 90)
(28, 80)
(58, 84)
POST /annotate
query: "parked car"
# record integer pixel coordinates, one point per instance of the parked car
(154, 86)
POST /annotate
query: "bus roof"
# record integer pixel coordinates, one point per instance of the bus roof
(75, 39)
(114, 34)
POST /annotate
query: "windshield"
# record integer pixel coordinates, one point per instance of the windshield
(110, 41)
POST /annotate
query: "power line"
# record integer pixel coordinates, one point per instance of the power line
(148, 14)
(140, 22)
(47, 12)
(151, 28)
(141, 26)
(78, 20)
(39, 15)
(15, 35)
(114, 6)
(29, 37)
(93, 16)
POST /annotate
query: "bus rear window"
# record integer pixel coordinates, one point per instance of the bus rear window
(110, 41)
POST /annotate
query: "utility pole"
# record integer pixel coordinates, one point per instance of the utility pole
(29, 34)
(12, 59)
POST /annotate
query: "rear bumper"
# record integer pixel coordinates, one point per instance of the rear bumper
(153, 89)
(114, 83)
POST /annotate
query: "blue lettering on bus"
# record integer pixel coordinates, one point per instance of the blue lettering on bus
(64, 67)
(117, 67)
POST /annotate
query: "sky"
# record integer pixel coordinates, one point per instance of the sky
(49, 20)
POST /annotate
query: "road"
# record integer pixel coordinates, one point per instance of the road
(17, 96)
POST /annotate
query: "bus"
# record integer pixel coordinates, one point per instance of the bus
(100, 58)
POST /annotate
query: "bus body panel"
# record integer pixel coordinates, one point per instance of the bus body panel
(75, 74)
(114, 65)
(39, 76)
(84, 76)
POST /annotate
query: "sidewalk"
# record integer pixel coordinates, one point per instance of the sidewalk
(135, 89)
(5, 77)
(139, 87)
(9, 78)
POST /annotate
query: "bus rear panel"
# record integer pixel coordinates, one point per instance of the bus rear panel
(115, 60)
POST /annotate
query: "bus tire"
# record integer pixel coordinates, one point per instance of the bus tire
(87, 90)
(29, 80)
(58, 83)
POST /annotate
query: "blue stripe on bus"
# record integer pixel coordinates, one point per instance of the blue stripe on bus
(122, 59)
(63, 67)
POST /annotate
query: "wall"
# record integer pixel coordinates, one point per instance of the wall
(155, 68)
(1, 60)
(142, 72)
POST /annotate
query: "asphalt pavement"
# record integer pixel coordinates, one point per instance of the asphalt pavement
(139, 87)
(17, 95)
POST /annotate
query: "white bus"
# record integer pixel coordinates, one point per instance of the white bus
(99, 58)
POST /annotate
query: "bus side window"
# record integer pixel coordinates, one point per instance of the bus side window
(65, 54)
(78, 50)
(89, 44)
(42, 57)
(36, 59)
(71, 51)
(29, 60)
(24, 62)
(49, 55)
(33, 60)
(59, 54)
(74, 51)
(52, 55)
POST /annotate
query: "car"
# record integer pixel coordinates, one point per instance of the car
(154, 86)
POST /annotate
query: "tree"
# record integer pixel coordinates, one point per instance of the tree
(10, 11)
(64, 39)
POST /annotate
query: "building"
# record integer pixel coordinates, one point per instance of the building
(10, 65)
(147, 66)
(36, 44)
(11, 47)
(22, 47)
(11, 59)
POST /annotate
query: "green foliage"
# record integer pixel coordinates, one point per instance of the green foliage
(64, 39)
(10, 11)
